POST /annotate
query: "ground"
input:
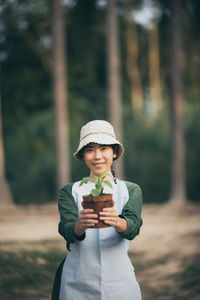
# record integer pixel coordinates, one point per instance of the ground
(165, 254)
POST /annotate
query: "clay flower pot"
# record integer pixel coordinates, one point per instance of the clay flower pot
(98, 203)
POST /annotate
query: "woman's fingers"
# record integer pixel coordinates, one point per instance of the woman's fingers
(88, 214)
(109, 216)
(112, 221)
(109, 211)
(88, 218)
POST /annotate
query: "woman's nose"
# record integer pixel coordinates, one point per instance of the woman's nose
(98, 154)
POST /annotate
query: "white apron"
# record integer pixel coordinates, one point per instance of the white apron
(98, 268)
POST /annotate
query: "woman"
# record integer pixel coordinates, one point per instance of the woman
(97, 266)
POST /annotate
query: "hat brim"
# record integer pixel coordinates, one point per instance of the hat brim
(102, 139)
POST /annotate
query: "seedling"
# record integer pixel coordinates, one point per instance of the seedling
(99, 183)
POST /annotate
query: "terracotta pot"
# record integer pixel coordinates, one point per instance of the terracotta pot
(98, 203)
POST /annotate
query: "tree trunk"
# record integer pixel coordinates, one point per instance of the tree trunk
(154, 69)
(60, 96)
(114, 83)
(5, 195)
(132, 65)
(177, 107)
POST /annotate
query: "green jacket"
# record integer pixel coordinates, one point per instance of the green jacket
(69, 213)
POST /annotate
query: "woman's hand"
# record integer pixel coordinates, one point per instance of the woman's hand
(87, 219)
(110, 217)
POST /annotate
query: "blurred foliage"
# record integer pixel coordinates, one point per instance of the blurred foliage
(192, 151)
(147, 156)
(27, 104)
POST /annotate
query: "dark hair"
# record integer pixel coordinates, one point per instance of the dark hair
(81, 152)
(115, 148)
(113, 174)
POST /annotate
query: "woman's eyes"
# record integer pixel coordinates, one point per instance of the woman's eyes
(92, 149)
(89, 150)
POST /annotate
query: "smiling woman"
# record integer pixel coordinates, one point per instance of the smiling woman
(97, 266)
(99, 158)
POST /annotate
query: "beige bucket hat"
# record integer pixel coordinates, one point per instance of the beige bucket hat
(100, 132)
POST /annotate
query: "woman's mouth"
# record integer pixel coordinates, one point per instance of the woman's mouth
(98, 164)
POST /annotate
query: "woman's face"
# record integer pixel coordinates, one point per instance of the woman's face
(99, 158)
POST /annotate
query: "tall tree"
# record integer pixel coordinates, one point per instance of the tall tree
(132, 62)
(154, 68)
(5, 195)
(178, 193)
(114, 82)
(60, 95)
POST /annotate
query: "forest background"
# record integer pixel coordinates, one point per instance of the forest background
(134, 63)
(27, 98)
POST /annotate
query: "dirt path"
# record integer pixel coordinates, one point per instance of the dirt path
(169, 246)
(169, 227)
(164, 227)
(29, 223)
(169, 240)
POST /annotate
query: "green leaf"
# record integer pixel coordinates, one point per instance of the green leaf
(102, 179)
(95, 192)
(98, 182)
(107, 174)
(84, 180)
(108, 183)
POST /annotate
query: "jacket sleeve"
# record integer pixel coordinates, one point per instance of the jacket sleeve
(68, 215)
(132, 211)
